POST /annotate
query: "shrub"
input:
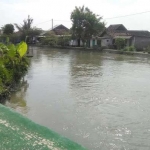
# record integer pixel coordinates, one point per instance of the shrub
(129, 48)
(52, 41)
(126, 48)
(13, 65)
(63, 40)
(120, 43)
(132, 48)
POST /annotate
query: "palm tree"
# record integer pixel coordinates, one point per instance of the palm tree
(26, 24)
(26, 29)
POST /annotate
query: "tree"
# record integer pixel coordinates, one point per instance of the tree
(85, 24)
(8, 29)
(26, 28)
(26, 24)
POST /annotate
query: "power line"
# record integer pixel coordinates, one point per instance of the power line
(104, 18)
(53, 20)
(129, 15)
(63, 20)
(43, 22)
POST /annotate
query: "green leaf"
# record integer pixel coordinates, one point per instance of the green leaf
(12, 50)
(22, 49)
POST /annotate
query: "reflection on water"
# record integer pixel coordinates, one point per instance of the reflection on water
(17, 100)
(98, 100)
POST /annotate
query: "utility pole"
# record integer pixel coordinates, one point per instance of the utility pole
(52, 24)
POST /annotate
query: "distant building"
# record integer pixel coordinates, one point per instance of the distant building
(57, 30)
(61, 30)
(137, 38)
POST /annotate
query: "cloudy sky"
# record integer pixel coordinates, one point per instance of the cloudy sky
(42, 11)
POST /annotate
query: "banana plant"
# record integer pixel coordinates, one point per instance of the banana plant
(22, 49)
(13, 63)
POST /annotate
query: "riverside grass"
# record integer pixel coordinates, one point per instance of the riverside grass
(18, 132)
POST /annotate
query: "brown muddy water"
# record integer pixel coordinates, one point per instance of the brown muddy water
(101, 101)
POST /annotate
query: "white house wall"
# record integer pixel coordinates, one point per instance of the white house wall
(75, 43)
(106, 42)
(91, 43)
(95, 41)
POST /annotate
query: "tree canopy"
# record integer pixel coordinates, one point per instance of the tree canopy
(85, 23)
(26, 28)
(26, 24)
(8, 29)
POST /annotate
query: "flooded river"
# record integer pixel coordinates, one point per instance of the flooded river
(101, 101)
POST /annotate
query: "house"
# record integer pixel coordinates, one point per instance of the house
(58, 30)
(61, 31)
(140, 39)
(137, 38)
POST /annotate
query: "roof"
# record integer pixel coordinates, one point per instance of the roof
(139, 33)
(60, 29)
(60, 26)
(115, 27)
(119, 34)
(120, 30)
(124, 37)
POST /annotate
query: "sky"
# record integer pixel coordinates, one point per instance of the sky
(43, 11)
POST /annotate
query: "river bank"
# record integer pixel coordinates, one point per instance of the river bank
(18, 132)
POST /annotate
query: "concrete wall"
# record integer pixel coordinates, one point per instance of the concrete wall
(106, 42)
(141, 42)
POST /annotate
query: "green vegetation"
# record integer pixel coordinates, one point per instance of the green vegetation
(26, 29)
(64, 40)
(53, 40)
(85, 24)
(50, 39)
(13, 65)
(8, 29)
(129, 48)
(120, 43)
